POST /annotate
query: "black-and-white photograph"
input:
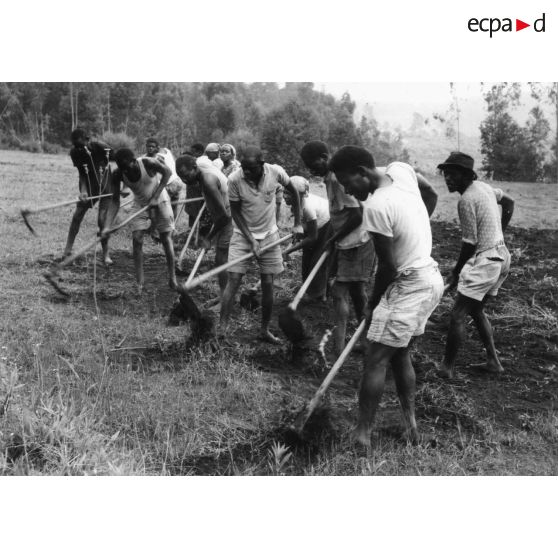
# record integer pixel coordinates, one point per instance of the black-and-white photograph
(279, 278)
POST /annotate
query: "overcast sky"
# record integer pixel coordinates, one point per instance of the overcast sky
(401, 92)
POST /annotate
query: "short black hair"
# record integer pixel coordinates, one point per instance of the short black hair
(349, 157)
(123, 154)
(197, 148)
(152, 140)
(186, 160)
(252, 151)
(78, 133)
(312, 150)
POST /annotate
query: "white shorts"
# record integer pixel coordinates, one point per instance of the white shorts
(270, 262)
(160, 214)
(405, 307)
(484, 273)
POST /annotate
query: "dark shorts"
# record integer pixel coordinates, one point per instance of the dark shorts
(223, 238)
(356, 264)
(310, 255)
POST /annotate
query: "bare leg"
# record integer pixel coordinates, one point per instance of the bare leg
(267, 308)
(168, 247)
(137, 240)
(456, 335)
(102, 222)
(77, 218)
(233, 283)
(357, 290)
(221, 257)
(405, 381)
(371, 389)
(485, 331)
(341, 305)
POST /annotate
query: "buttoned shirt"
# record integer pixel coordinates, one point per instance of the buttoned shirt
(259, 202)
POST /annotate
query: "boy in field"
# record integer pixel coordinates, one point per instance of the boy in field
(484, 260)
(214, 189)
(91, 158)
(317, 230)
(407, 287)
(355, 251)
(255, 194)
(147, 178)
(175, 186)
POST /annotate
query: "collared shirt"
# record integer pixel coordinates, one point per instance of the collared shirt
(479, 215)
(339, 202)
(259, 203)
(396, 210)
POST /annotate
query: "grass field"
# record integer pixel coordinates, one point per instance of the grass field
(100, 384)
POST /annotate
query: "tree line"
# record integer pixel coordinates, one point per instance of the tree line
(515, 152)
(280, 118)
(40, 116)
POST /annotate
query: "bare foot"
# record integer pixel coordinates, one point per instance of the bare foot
(411, 436)
(494, 366)
(361, 436)
(266, 335)
(173, 285)
(139, 289)
(63, 257)
(108, 261)
(445, 371)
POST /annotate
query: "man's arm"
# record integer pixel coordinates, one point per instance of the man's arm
(508, 205)
(308, 240)
(214, 201)
(387, 270)
(278, 204)
(467, 252)
(236, 212)
(114, 206)
(155, 166)
(83, 185)
(428, 194)
(354, 221)
(296, 202)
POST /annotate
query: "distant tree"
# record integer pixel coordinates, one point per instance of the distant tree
(510, 152)
(548, 94)
(286, 130)
(342, 127)
(385, 145)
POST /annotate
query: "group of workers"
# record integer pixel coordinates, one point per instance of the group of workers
(374, 225)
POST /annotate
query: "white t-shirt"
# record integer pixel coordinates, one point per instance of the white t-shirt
(396, 210)
(204, 160)
(316, 209)
(165, 156)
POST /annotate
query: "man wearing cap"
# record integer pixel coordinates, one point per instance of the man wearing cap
(407, 287)
(484, 260)
(211, 156)
(317, 230)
